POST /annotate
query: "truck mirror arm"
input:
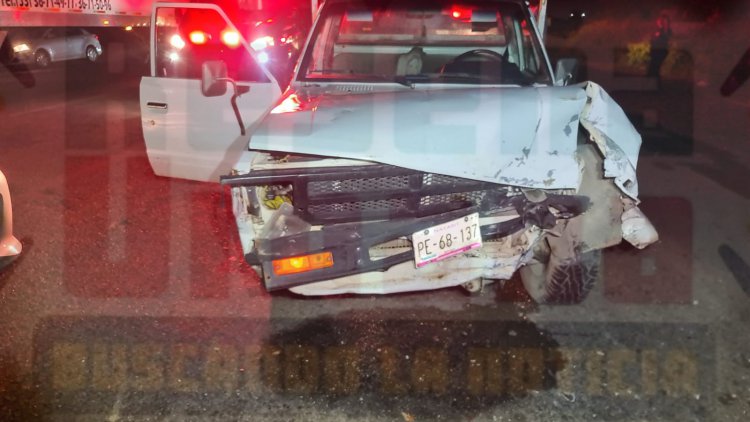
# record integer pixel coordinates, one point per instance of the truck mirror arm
(235, 95)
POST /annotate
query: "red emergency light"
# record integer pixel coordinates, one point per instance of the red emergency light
(230, 38)
(460, 13)
(198, 37)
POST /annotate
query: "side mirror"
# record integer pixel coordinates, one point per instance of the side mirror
(566, 70)
(214, 81)
(214, 78)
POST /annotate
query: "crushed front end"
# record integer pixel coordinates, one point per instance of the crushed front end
(321, 226)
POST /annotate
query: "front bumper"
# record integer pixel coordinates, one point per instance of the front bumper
(350, 245)
(362, 208)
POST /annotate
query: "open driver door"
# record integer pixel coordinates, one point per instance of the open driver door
(188, 134)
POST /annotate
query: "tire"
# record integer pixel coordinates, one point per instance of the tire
(91, 54)
(567, 280)
(42, 58)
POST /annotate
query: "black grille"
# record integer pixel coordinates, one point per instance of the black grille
(358, 206)
(373, 184)
(386, 192)
(373, 192)
(474, 198)
(440, 179)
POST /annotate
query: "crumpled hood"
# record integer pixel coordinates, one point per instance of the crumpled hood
(524, 137)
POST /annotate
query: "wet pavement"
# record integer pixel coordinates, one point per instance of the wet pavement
(132, 301)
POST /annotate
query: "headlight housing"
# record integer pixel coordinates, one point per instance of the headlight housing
(20, 48)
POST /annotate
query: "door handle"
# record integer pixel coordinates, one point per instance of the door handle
(160, 106)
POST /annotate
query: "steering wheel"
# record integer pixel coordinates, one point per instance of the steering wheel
(487, 64)
(475, 62)
(480, 54)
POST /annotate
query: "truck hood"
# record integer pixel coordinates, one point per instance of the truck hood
(524, 137)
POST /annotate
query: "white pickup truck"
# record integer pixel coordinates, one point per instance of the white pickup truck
(421, 144)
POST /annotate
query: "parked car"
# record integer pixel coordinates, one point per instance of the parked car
(421, 144)
(10, 247)
(47, 45)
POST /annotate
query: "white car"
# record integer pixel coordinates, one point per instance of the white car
(10, 247)
(421, 145)
(55, 44)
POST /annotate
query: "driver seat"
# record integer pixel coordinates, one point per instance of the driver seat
(410, 63)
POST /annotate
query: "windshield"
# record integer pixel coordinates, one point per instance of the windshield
(425, 41)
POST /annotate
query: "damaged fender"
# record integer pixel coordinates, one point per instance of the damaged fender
(615, 136)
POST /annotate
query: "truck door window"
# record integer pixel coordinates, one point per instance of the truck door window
(186, 38)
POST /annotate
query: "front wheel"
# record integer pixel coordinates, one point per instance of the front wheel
(91, 54)
(42, 58)
(557, 277)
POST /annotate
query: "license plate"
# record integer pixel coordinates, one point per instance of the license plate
(445, 240)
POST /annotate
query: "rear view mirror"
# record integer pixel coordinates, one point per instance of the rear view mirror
(359, 16)
(214, 78)
(566, 70)
(483, 16)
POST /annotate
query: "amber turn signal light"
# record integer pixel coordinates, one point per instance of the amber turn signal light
(301, 264)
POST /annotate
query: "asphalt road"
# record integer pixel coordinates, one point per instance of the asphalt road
(132, 301)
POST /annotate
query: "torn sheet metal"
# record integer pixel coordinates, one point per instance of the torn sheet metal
(636, 227)
(520, 136)
(615, 136)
